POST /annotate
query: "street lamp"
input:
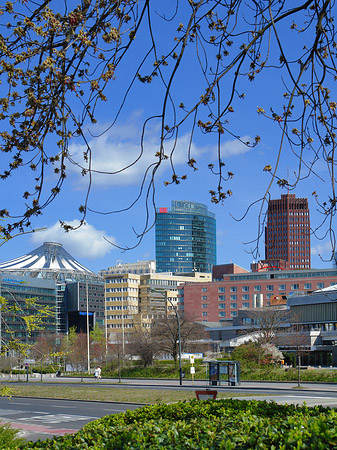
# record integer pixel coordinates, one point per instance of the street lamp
(179, 332)
(88, 329)
(120, 263)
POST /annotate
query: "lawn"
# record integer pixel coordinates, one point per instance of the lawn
(106, 394)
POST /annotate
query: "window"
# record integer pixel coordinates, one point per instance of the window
(233, 297)
(222, 298)
(307, 285)
(234, 313)
(257, 288)
(221, 290)
(204, 305)
(320, 285)
(234, 305)
(233, 289)
(245, 288)
(204, 289)
(222, 314)
(295, 287)
(282, 287)
(204, 314)
(270, 287)
(245, 296)
(245, 305)
(222, 305)
(204, 297)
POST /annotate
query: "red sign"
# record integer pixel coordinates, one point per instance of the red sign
(163, 210)
(206, 395)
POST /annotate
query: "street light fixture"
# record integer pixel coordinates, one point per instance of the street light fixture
(179, 330)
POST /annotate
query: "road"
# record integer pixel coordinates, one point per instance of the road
(42, 418)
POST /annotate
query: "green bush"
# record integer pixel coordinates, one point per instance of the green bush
(9, 439)
(224, 424)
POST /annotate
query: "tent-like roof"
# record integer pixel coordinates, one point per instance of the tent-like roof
(48, 259)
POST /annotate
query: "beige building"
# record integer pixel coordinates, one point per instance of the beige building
(137, 300)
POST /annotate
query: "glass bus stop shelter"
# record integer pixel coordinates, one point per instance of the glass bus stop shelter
(223, 372)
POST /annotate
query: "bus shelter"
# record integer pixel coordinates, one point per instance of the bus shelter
(223, 372)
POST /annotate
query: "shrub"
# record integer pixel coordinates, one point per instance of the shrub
(223, 424)
(9, 439)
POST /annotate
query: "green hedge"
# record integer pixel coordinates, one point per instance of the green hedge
(224, 424)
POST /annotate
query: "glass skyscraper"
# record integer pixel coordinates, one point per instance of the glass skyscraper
(185, 238)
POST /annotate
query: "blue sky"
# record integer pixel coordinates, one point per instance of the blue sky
(120, 145)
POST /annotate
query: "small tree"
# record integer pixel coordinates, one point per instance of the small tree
(79, 355)
(166, 332)
(253, 354)
(143, 344)
(31, 313)
(97, 345)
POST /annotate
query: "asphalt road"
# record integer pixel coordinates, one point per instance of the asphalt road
(42, 418)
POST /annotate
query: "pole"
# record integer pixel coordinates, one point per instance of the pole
(0, 320)
(123, 336)
(179, 334)
(88, 335)
(105, 320)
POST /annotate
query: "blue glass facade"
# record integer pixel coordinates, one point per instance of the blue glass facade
(185, 238)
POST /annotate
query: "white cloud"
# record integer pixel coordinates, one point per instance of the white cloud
(235, 147)
(120, 147)
(85, 242)
(321, 249)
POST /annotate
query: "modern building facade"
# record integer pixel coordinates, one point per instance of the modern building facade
(287, 233)
(134, 300)
(138, 267)
(220, 301)
(83, 297)
(17, 289)
(316, 316)
(185, 238)
(57, 280)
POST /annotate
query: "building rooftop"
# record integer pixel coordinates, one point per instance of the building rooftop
(50, 260)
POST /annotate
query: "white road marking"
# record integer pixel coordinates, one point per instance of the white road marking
(63, 407)
(57, 418)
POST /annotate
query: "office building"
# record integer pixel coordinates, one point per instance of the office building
(50, 274)
(137, 300)
(220, 301)
(138, 267)
(185, 238)
(287, 233)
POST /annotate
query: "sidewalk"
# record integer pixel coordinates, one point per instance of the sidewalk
(256, 385)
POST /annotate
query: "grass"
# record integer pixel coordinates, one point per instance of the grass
(108, 394)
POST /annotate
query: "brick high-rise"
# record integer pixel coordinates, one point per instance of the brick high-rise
(287, 234)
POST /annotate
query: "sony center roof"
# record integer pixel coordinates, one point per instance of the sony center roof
(50, 260)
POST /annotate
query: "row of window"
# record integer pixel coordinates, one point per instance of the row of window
(121, 280)
(121, 299)
(119, 308)
(119, 289)
(269, 287)
(223, 314)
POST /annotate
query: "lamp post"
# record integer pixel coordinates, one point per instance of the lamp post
(120, 263)
(179, 331)
(88, 330)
